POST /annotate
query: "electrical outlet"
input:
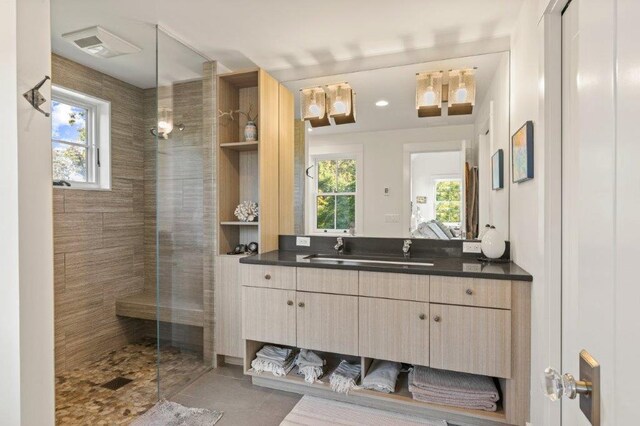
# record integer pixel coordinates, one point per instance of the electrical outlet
(471, 247)
(471, 267)
(392, 218)
(303, 241)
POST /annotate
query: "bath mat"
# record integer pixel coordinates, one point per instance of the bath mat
(167, 413)
(312, 411)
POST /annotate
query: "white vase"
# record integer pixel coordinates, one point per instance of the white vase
(493, 244)
(250, 132)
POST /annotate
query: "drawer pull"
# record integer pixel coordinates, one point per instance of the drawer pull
(422, 316)
(301, 304)
(290, 302)
(267, 277)
(469, 291)
(436, 318)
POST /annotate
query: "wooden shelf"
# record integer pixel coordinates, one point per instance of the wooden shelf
(238, 223)
(241, 146)
(171, 308)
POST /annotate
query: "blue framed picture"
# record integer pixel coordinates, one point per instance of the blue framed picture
(522, 153)
(497, 170)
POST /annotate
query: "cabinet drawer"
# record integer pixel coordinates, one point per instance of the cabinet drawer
(328, 281)
(282, 277)
(394, 330)
(394, 286)
(269, 315)
(471, 340)
(327, 322)
(471, 292)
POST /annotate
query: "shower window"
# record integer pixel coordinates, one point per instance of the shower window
(80, 139)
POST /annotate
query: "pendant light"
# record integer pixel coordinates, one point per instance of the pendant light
(165, 122)
(341, 103)
(313, 106)
(429, 94)
(462, 91)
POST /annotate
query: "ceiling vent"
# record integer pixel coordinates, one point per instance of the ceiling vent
(99, 42)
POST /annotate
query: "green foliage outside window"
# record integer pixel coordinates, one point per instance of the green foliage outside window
(448, 201)
(336, 201)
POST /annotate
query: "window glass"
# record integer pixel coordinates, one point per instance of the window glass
(336, 194)
(448, 201)
(70, 145)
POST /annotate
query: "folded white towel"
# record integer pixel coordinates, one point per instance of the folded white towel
(309, 365)
(382, 376)
(274, 353)
(260, 365)
(344, 377)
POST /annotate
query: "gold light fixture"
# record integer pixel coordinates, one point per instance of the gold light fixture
(462, 91)
(313, 106)
(341, 103)
(429, 94)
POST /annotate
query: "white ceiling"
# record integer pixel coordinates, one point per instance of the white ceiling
(397, 85)
(278, 34)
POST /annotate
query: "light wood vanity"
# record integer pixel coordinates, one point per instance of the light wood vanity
(473, 325)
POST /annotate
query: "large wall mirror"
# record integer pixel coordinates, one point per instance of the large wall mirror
(417, 150)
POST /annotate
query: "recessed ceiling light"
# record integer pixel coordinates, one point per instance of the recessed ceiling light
(382, 103)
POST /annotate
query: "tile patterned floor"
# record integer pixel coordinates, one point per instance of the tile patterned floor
(80, 399)
(243, 404)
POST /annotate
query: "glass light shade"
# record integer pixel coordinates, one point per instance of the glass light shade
(312, 103)
(340, 100)
(428, 89)
(462, 87)
(165, 122)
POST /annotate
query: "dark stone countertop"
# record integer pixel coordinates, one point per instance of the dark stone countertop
(445, 266)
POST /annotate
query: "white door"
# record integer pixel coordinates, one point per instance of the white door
(601, 202)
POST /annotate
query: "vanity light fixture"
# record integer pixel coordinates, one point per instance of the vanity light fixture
(313, 106)
(429, 94)
(341, 103)
(382, 103)
(462, 91)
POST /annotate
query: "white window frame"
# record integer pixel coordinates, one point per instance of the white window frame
(98, 137)
(353, 152)
(447, 178)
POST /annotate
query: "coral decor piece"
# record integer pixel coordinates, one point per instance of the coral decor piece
(247, 211)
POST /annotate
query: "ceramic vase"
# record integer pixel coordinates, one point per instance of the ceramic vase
(493, 244)
(250, 132)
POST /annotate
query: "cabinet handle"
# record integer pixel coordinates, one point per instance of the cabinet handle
(267, 277)
(290, 302)
(469, 291)
(301, 304)
(436, 318)
(422, 316)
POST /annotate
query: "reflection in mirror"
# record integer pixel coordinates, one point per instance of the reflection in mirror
(414, 160)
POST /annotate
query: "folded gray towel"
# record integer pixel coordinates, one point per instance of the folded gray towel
(309, 365)
(455, 402)
(274, 353)
(454, 383)
(344, 377)
(382, 376)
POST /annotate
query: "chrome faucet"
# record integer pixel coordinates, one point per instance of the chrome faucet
(406, 248)
(339, 247)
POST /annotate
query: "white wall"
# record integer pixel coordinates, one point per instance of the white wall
(383, 159)
(26, 244)
(493, 114)
(425, 168)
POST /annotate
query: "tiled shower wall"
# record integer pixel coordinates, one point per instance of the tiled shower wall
(98, 235)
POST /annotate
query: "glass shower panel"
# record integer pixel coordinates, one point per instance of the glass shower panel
(178, 169)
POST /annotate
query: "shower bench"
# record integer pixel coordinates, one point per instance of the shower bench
(175, 309)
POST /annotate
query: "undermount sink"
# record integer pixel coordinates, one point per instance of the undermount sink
(370, 260)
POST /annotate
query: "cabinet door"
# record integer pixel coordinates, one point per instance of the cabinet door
(328, 322)
(471, 340)
(269, 315)
(228, 307)
(394, 330)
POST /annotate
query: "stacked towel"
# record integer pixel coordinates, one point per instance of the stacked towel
(344, 377)
(452, 388)
(309, 365)
(278, 361)
(382, 376)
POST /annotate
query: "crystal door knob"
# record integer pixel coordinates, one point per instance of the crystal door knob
(556, 386)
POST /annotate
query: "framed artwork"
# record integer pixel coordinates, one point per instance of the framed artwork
(522, 153)
(497, 170)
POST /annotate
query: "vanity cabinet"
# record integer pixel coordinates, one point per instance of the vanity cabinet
(471, 340)
(327, 322)
(395, 330)
(269, 315)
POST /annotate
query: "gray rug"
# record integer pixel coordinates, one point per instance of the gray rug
(167, 413)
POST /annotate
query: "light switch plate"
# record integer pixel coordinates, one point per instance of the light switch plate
(303, 241)
(471, 247)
